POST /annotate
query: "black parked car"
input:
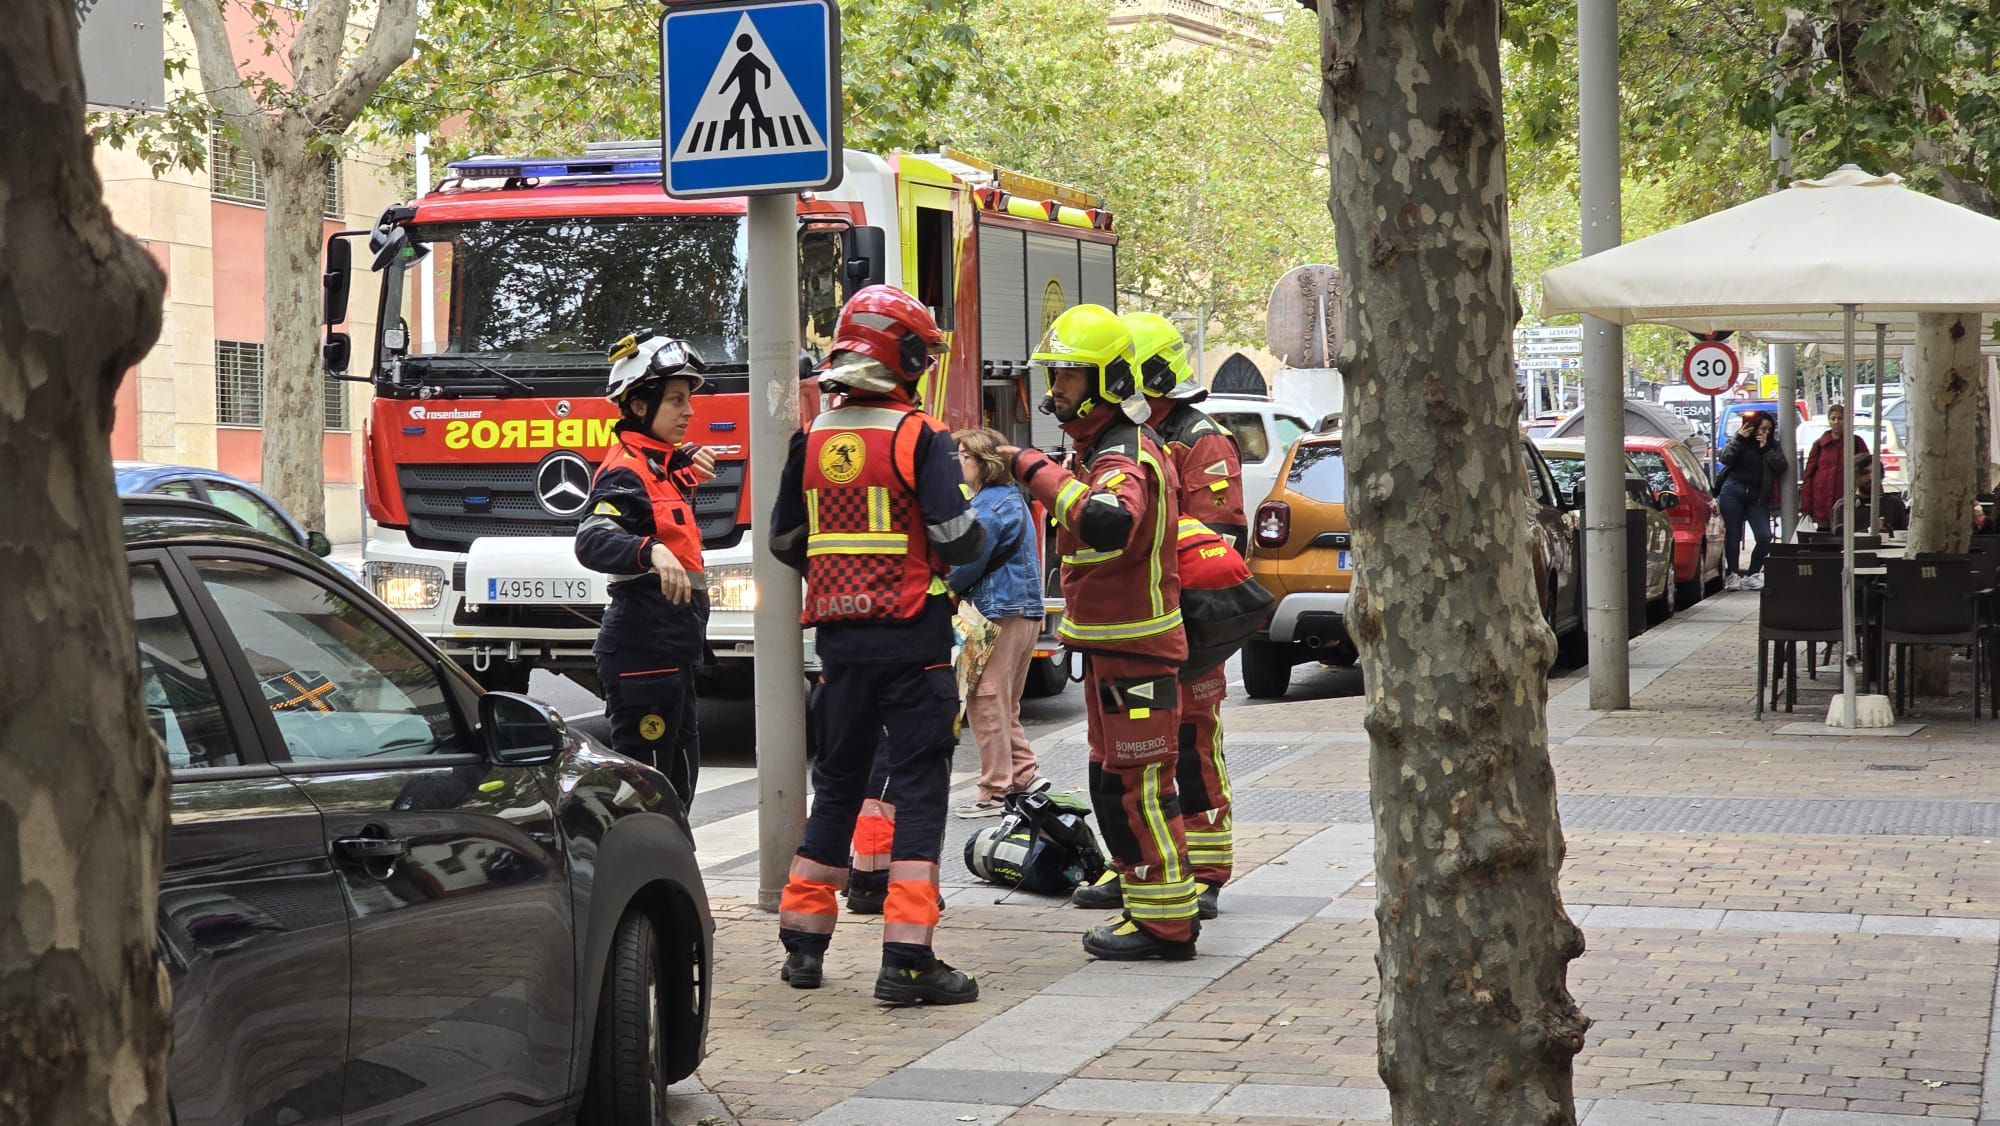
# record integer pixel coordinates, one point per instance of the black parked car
(389, 898)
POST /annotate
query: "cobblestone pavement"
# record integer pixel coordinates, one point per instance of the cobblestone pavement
(1783, 931)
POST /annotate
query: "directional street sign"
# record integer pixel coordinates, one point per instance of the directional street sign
(1548, 363)
(1558, 332)
(750, 97)
(1549, 348)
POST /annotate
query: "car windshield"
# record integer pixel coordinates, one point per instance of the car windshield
(576, 284)
(1319, 473)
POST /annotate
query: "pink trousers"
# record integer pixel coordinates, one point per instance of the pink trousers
(1006, 762)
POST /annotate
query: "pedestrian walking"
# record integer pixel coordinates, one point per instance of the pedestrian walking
(1821, 486)
(1004, 582)
(869, 508)
(639, 528)
(1753, 468)
(1116, 519)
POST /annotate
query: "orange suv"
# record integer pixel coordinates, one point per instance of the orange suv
(1301, 552)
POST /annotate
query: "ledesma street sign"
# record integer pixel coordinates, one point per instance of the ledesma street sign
(1711, 367)
(750, 97)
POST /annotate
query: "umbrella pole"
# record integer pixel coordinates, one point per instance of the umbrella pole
(1875, 483)
(1849, 654)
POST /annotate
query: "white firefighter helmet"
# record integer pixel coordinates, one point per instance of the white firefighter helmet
(647, 355)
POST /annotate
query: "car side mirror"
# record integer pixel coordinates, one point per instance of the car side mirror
(1670, 499)
(334, 282)
(318, 544)
(519, 731)
(336, 353)
(864, 258)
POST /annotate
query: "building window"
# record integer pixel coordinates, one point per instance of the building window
(239, 383)
(233, 175)
(336, 405)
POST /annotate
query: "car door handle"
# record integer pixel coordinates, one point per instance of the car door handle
(372, 848)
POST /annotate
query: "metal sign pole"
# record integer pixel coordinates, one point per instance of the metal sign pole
(1849, 654)
(1603, 363)
(780, 661)
(1875, 483)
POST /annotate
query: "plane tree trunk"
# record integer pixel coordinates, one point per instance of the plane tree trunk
(1944, 409)
(83, 1000)
(1476, 1024)
(294, 386)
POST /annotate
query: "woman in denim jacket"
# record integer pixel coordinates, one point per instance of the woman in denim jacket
(1005, 583)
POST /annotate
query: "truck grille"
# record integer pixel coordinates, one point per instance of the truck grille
(442, 520)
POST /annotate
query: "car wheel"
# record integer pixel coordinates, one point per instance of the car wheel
(1267, 669)
(1047, 676)
(628, 1083)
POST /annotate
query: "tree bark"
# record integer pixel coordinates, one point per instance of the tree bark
(294, 385)
(1476, 1024)
(1944, 407)
(291, 132)
(83, 1000)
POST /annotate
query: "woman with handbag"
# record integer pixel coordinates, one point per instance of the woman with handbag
(1005, 584)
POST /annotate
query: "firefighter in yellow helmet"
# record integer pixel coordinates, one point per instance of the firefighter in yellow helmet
(1210, 470)
(1116, 524)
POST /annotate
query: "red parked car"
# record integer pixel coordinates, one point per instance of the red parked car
(1671, 467)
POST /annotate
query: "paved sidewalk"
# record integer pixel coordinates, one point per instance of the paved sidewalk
(1783, 931)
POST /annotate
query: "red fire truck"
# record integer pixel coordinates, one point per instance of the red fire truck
(502, 288)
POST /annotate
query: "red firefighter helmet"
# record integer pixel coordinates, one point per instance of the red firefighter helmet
(889, 327)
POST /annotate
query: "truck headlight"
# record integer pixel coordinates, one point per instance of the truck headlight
(405, 586)
(730, 587)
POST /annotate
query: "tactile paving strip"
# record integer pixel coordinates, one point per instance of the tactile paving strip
(1678, 813)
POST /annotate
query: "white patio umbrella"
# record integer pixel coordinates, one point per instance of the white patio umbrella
(1819, 256)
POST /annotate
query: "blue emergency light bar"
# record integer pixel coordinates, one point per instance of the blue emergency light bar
(501, 168)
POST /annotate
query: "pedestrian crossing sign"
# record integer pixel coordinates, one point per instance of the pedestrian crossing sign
(750, 97)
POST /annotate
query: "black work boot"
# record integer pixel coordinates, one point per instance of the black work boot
(863, 902)
(1106, 893)
(1127, 941)
(939, 985)
(802, 970)
(1205, 902)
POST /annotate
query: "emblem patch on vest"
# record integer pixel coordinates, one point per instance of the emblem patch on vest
(652, 727)
(841, 458)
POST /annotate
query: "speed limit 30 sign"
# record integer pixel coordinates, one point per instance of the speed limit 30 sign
(1711, 367)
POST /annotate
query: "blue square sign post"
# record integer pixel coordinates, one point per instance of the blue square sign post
(750, 97)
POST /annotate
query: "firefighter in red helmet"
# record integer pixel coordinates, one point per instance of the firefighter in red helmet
(1117, 524)
(869, 509)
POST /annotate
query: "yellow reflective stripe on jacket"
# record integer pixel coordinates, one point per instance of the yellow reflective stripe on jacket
(1120, 631)
(812, 510)
(856, 543)
(1072, 491)
(1191, 527)
(1159, 537)
(1086, 558)
(878, 508)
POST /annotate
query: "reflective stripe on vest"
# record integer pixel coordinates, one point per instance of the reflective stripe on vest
(868, 557)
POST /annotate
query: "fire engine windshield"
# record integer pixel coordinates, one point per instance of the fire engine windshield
(575, 284)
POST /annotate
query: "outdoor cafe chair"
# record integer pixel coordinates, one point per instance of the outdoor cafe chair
(1801, 602)
(1933, 600)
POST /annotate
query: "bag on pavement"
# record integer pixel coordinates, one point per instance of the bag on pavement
(1042, 844)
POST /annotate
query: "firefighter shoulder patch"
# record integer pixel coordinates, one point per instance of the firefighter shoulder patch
(841, 458)
(652, 727)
